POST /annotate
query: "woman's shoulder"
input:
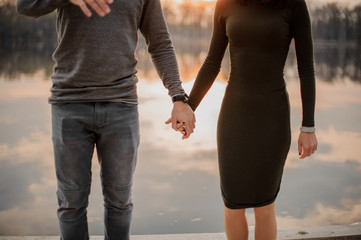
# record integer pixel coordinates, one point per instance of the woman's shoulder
(223, 5)
(227, 3)
(295, 3)
(296, 6)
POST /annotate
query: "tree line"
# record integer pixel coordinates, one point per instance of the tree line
(27, 44)
(188, 20)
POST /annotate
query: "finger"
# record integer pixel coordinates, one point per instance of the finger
(94, 5)
(174, 124)
(168, 121)
(191, 126)
(314, 149)
(303, 152)
(110, 1)
(179, 125)
(299, 149)
(307, 152)
(85, 9)
(185, 130)
(103, 5)
(181, 129)
(188, 129)
(184, 135)
(303, 155)
(194, 122)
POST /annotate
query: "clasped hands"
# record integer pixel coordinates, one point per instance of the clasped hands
(182, 119)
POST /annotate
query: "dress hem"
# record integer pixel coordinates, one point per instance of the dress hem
(249, 205)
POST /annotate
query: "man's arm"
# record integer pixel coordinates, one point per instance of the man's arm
(38, 8)
(160, 47)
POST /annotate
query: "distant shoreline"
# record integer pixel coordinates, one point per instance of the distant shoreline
(336, 43)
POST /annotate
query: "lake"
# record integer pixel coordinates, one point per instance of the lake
(176, 186)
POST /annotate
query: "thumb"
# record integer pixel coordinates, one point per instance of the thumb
(299, 148)
(168, 121)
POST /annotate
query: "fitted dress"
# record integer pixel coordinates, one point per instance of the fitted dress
(253, 132)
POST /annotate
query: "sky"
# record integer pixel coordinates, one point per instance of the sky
(350, 3)
(347, 2)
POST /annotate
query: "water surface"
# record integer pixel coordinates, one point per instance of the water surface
(176, 186)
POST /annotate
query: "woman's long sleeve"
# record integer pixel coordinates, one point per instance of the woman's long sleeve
(212, 64)
(304, 53)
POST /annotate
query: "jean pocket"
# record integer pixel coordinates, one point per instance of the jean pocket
(127, 104)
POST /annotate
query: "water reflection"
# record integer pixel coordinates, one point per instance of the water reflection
(176, 183)
(26, 59)
(333, 61)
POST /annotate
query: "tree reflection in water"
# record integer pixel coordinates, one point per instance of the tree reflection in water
(332, 61)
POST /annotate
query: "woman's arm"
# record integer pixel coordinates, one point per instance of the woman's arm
(212, 64)
(307, 142)
(304, 53)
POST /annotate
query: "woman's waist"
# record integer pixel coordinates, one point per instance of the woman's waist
(256, 86)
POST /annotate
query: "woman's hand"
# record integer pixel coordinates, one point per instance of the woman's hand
(307, 144)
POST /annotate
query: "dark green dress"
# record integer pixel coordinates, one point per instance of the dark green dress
(253, 134)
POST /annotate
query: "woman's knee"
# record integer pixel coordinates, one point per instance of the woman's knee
(264, 211)
(232, 214)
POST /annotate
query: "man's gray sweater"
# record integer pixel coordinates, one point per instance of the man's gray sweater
(95, 59)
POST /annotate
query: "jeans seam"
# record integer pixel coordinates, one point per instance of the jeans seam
(117, 188)
(71, 221)
(78, 189)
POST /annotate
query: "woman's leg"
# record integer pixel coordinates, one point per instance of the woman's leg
(235, 223)
(266, 226)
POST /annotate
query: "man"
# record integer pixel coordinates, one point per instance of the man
(94, 101)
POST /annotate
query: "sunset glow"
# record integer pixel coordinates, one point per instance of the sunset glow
(317, 2)
(191, 1)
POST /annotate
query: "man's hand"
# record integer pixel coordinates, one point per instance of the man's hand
(100, 6)
(307, 144)
(182, 119)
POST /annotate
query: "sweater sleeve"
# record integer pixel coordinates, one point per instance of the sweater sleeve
(304, 53)
(154, 29)
(38, 8)
(212, 64)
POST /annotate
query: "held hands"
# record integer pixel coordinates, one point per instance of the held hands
(182, 119)
(307, 144)
(99, 6)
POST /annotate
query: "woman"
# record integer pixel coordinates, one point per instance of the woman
(253, 133)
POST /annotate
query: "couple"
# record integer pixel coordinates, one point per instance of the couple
(94, 103)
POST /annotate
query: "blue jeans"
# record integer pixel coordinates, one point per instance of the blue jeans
(113, 127)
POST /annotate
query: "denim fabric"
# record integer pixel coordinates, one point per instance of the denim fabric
(113, 127)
